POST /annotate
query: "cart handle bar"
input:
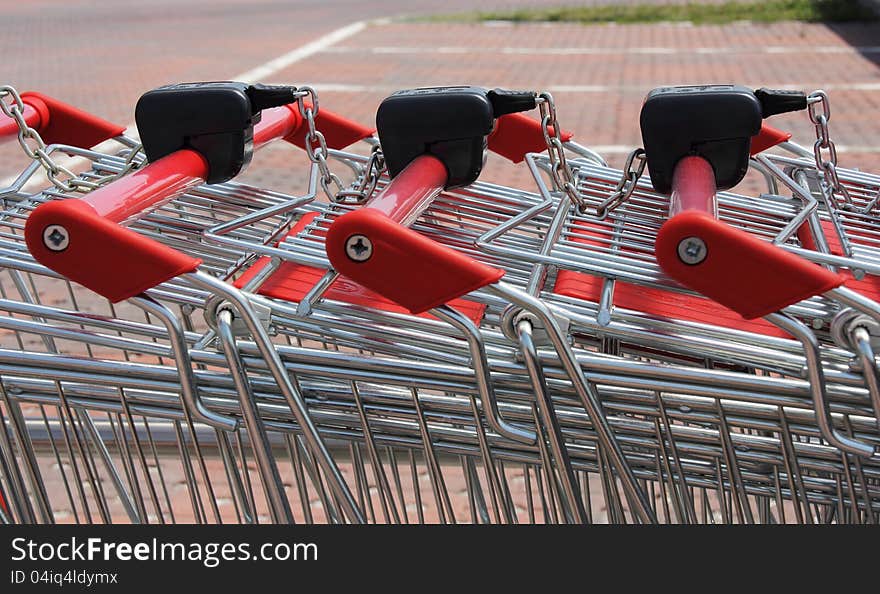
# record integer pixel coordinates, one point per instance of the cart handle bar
(746, 274)
(374, 247)
(516, 134)
(738, 270)
(82, 239)
(59, 123)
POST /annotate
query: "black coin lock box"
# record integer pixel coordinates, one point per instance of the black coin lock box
(450, 123)
(216, 119)
(715, 122)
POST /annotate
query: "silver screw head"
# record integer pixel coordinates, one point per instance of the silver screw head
(692, 250)
(359, 248)
(56, 238)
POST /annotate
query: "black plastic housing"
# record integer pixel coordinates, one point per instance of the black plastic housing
(214, 118)
(715, 122)
(451, 123)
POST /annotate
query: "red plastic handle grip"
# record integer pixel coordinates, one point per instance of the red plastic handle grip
(517, 134)
(61, 123)
(767, 138)
(736, 269)
(277, 122)
(157, 182)
(411, 191)
(693, 187)
(71, 238)
(339, 132)
(81, 239)
(400, 264)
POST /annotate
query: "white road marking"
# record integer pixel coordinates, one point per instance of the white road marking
(281, 62)
(605, 51)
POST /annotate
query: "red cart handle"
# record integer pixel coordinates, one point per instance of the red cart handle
(516, 134)
(693, 187)
(59, 123)
(71, 238)
(728, 265)
(411, 191)
(400, 264)
(766, 138)
(373, 246)
(82, 240)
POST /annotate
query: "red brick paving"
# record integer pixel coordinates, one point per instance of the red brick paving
(608, 115)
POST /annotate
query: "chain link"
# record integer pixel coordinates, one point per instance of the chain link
(34, 147)
(365, 184)
(61, 177)
(562, 174)
(632, 173)
(824, 149)
(316, 144)
(316, 148)
(563, 177)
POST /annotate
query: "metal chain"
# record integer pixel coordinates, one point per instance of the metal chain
(364, 186)
(60, 176)
(563, 178)
(316, 149)
(632, 173)
(826, 162)
(316, 144)
(37, 152)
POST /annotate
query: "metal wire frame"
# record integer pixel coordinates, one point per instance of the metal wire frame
(794, 363)
(397, 414)
(692, 480)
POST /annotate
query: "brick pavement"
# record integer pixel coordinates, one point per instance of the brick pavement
(599, 76)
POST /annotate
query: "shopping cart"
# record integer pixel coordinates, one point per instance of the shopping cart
(180, 230)
(617, 426)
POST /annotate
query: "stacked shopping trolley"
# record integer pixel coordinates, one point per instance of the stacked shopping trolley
(406, 343)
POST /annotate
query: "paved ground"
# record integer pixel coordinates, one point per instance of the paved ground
(600, 74)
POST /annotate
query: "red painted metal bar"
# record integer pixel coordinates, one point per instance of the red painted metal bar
(693, 187)
(277, 122)
(60, 123)
(159, 181)
(516, 134)
(82, 240)
(767, 138)
(751, 276)
(176, 173)
(411, 191)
